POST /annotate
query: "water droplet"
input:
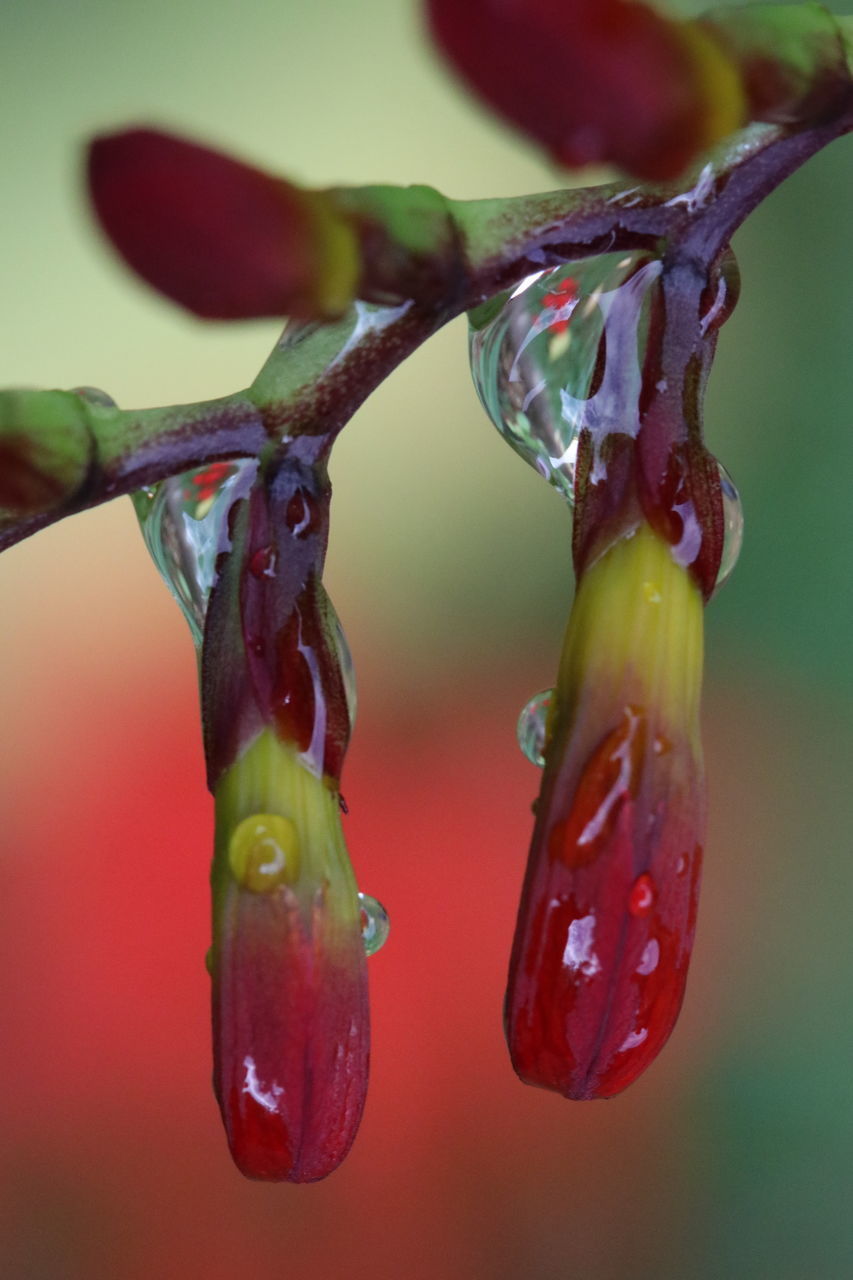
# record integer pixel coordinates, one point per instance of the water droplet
(562, 355)
(610, 775)
(642, 896)
(95, 397)
(375, 925)
(732, 526)
(721, 294)
(650, 958)
(633, 1039)
(301, 515)
(532, 727)
(579, 952)
(262, 563)
(263, 852)
(184, 522)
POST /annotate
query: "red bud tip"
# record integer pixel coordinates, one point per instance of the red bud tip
(291, 1036)
(291, 1028)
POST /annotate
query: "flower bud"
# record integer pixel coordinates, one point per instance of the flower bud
(290, 1015)
(220, 237)
(596, 81)
(606, 923)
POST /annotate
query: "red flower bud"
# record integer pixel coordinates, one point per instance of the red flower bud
(291, 1030)
(290, 1016)
(217, 236)
(595, 81)
(608, 911)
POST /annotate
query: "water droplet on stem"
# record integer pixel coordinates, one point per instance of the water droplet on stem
(732, 527)
(263, 852)
(375, 925)
(562, 356)
(532, 728)
(642, 895)
(184, 522)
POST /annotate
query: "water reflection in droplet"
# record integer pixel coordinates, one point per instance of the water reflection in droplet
(732, 526)
(375, 925)
(642, 896)
(649, 959)
(532, 728)
(264, 852)
(262, 563)
(579, 953)
(561, 355)
(184, 522)
(95, 397)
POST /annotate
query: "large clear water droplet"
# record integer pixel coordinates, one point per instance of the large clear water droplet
(732, 526)
(184, 522)
(562, 355)
(375, 925)
(532, 726)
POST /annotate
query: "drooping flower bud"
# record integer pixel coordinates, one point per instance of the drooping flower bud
(290, 1015)
(575, 368)
(608, 911)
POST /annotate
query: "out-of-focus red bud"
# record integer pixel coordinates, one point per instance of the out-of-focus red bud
(221, 238)
(595, 81)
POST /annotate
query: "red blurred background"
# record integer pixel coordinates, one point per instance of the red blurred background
(113, 1161)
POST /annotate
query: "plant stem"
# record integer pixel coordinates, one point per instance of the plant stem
(318, 375)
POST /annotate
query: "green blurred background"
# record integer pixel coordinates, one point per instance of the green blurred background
(449, 565)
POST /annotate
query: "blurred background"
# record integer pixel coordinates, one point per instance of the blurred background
(449, 565)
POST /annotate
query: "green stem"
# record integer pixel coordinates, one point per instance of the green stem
(318, 375)
(117, 451)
